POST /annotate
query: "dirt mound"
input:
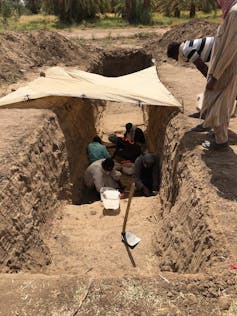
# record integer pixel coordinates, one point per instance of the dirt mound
(23, 51)
(189, 30)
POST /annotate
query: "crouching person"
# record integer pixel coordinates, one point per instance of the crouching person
(102, 173)
(124, 148)
(147, 174)
(96, 150)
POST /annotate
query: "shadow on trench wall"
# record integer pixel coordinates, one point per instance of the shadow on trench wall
(223, 167)
(221, 164)
(158, 118)
(76, 118)
(189, 238)
(119, 62)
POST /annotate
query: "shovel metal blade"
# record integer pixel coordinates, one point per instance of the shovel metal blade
(130, 239)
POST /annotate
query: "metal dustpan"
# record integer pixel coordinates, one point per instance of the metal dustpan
(129, 238)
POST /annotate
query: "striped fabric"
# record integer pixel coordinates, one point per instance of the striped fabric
(200, 47)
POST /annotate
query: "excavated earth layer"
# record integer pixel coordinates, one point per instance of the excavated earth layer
(44, 190)
(195, 28)
(43, 157)
(72, 295)
(188, 238)
(39, 171)
(33, 51)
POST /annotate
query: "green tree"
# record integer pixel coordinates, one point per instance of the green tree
(8, 9)
(135, 11)
(174, 7)
(207, 5)
(192, 9)
(50, 6)
(33, 5)
(70, 11)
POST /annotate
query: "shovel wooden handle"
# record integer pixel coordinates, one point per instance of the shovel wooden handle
(131, 192)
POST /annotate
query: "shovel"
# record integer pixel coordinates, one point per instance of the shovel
(129, 238)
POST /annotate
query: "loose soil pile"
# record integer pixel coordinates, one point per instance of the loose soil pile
(20, 52)
(189, 30)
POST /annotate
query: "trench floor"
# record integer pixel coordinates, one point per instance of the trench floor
(86, 240)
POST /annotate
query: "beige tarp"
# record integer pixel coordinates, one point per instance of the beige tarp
(142, 87)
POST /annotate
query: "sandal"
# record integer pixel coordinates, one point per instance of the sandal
(214, 146)
(195, 115)
(199, 128)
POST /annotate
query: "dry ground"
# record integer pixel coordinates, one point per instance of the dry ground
(88, 258)
(86, 240)
(185, 84)
(98, 34)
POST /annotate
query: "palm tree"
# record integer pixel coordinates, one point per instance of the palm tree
(70, 11)
(136, 11)
(173, 7)
(33, 5)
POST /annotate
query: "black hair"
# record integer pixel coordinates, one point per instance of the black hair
(97, 139)
(173, 50)
(108, 164)
(128, 126)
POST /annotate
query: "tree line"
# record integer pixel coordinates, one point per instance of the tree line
(75, 11)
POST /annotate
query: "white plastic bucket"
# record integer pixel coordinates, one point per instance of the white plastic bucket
(110, 198)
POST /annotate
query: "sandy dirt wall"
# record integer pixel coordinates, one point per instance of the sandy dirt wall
(21, 52)
(158, 118)
(76, 118)
(77, 121)
(34, 178)
(188, 238)
(44, 159)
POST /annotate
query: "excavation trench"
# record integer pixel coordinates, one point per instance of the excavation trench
(47, 162)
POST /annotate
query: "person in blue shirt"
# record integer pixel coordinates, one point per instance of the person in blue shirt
(96, 150)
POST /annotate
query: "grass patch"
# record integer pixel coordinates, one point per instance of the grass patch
(108, 21)
(31, 23)
(160, 19)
